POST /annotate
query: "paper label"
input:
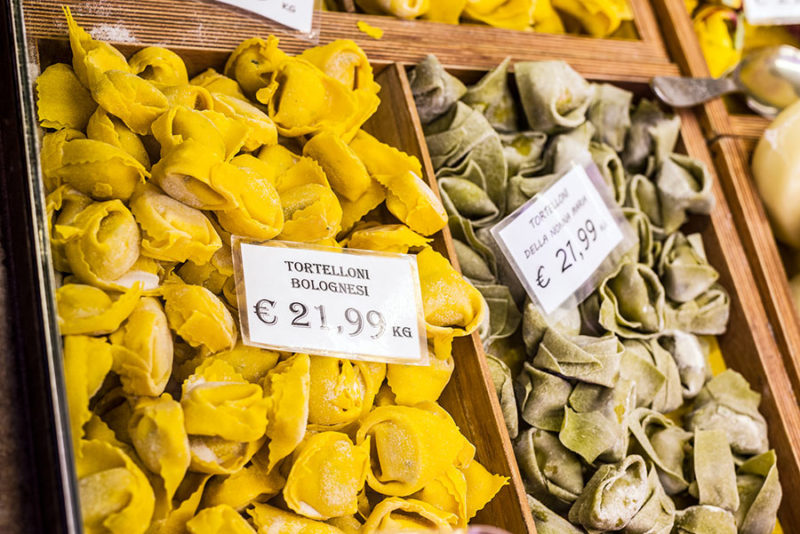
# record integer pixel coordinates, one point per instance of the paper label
(296, 14)
(558, 241)
(351, 304)
(772, 11)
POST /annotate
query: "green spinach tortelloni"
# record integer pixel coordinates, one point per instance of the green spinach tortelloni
(617, 422)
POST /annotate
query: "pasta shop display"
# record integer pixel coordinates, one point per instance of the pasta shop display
(176, 425)
(617, 421)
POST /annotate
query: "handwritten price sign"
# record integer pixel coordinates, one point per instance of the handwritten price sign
(561, 241)
(351, 304)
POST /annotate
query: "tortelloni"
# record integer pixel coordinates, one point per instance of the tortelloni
(341, 391)
(115, 494)
(327, 474)
(413, 445)
(198, 316)
(142, 350)
(176, 424)
(171, 230)
(101, 243)
(617, 422)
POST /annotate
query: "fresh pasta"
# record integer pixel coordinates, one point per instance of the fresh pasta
(177, 426)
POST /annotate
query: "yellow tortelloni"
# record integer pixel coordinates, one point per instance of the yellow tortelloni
(220, 408)
(217, 401)
(116, 496)
(219, 520)
(217, 456)
(408, 198)
(397, 238)
(598, 19)
(341, 391)
(327, 474)
(184, 173)
(404, 9)
(214, 275)
(91, 58)
(87, 361)
(109, 129)
(412, 384)
(311, 210)
(253, 483)
(217, 83)
(156, 428)
(447, 11)
(172, 231)
(257, 211)
(273, 520)
(101, 243)
(453, 307)
(189, 96)
(253, 62)
(61, 100)
(68, 202)
(407, 515)
(181, 124)
(345, 61)
(287, 388)
(134, 100)
(411, 447)
(84, 309)
(252, 363)
(198, 316)
(462, 492)
(186, 502)
(546, 19)
(95, 168)
(142, 350)
(346, 173)
(510, 14)
(261, 129)
(159, 65)
(303, 100)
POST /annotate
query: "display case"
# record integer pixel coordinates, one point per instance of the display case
(203, 34)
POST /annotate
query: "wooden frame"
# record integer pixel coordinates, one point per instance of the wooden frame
(733, 138)
(748, 346)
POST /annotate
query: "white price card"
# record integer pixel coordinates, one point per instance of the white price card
(772, 11)
(351, 304)
(296, 14)
(565, 239)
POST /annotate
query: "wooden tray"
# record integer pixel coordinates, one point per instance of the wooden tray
(732, 139)
(477, 41)
(748, 345)
(480, 418)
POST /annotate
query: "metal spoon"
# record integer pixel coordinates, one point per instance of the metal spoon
(769, 77)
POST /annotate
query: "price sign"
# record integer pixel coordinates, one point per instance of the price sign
(351, 304)
(561, 242)
(772, 11)
(296, 14)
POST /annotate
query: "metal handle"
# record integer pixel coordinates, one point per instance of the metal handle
(687, 92)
